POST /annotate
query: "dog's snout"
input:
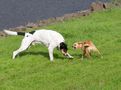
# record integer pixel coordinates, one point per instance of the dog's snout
(73, 47)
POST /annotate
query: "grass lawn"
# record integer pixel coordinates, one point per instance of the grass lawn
(32, 70)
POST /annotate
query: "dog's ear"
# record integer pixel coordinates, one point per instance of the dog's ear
(63, 46)
(86, 45)
(80, 43)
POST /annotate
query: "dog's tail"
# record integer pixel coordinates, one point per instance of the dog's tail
(14, 33)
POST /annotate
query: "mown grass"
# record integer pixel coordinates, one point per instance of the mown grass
(32, 70)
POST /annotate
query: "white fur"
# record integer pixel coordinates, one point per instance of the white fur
(10, 32)
(49, 38)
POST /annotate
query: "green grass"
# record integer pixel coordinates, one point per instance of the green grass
(32, 70)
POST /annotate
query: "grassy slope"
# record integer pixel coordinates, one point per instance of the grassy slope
(32, 70)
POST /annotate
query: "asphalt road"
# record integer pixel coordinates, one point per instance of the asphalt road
(14, 13)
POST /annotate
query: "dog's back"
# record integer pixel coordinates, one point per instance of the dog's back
(90, 45)
(48, 36)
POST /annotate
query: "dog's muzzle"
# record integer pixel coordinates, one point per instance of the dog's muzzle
(73, 47)
(66, 54)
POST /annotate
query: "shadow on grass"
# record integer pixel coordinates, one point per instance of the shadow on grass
(45, 54)
(79, 56)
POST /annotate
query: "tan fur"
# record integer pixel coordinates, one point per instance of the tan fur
(87, 46)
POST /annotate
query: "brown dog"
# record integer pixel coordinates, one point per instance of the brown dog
(88, 47)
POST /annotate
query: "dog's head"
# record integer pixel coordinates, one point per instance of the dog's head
(63, 48)
(77, 45)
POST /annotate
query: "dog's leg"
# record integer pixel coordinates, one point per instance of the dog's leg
(50, 49)
(83, 54)
(24, 45)
(88, 52)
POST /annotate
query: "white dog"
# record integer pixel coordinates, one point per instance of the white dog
(49, 38)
